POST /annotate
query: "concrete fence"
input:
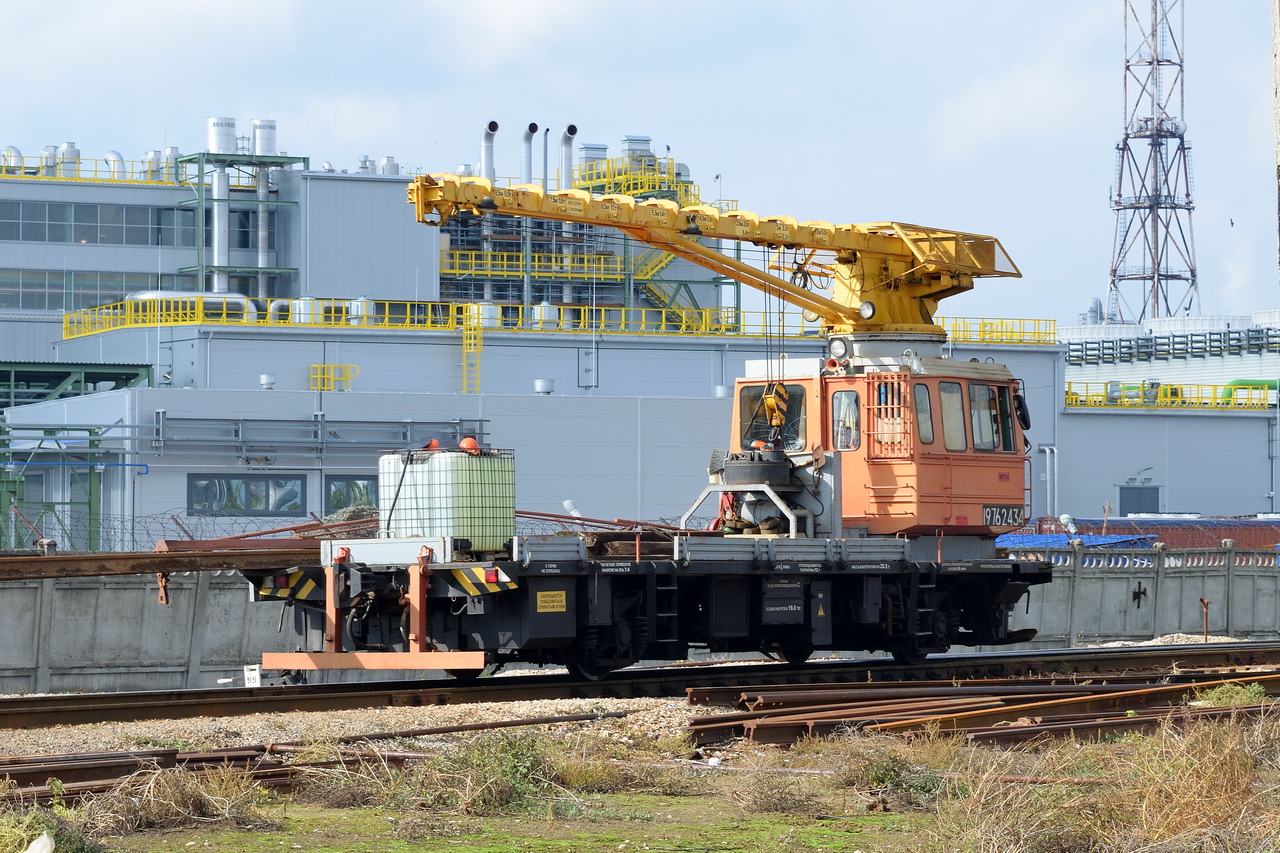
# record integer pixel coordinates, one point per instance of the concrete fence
(91, 634)
(1103, 595)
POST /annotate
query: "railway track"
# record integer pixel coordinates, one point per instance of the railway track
(1078, 692)
(1154, 661)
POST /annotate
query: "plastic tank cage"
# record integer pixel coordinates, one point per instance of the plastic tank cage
(454, 493)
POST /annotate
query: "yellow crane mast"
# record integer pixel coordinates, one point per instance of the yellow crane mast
(888, 276)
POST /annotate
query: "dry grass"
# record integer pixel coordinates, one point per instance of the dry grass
(350, 783)
(18, 828)
(589, 765)
(1207, 787)
(1179, 789)
(765, 787)
(155, 798)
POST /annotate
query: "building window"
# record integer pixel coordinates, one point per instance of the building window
(46, 290)
(214, 494)
(342, 491)
(100, 224)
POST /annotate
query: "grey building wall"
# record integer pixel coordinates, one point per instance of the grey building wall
(30, 335)
(230, 357)
(1212, 463)
(355, 235)
(614, 456)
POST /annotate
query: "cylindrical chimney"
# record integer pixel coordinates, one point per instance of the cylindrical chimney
(221, 229)
(527, 175)
(486, 151)
(566, 156)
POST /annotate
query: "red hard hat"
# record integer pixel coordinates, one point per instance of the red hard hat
(469, 444)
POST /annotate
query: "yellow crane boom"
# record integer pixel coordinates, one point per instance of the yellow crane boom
(888, 276)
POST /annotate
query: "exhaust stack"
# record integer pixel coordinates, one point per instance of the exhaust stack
(566, 156)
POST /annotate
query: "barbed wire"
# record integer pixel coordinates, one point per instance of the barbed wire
(77, 530)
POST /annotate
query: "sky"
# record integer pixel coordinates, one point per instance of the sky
(990, 116)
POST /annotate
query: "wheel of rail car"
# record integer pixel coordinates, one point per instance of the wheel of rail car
(909, 657)
(795, 654)
(464, 674)
(589, 671)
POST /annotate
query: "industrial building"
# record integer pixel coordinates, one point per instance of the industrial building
(162, 385)
(320, 324)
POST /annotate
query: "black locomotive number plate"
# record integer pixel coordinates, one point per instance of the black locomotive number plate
(1002, 516)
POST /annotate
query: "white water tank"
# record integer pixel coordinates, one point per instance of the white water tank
(449, 493)
(264, 137)
(220, 135)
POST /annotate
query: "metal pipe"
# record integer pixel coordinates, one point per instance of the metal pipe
(527, 175)
(566, 156)
(115, 166)
(221, 229)
(486, 151)
(526, 224)
(566, 182)
(489, 173)
(1051, 472)
(262, 179)
(11, 160)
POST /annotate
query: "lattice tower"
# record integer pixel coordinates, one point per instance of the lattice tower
(1153, 266)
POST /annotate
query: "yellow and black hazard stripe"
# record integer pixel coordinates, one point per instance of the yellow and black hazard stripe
(300, 585)
(472, 580)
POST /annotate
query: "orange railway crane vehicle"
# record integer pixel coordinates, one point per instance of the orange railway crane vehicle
(924, 444)
(859, 497)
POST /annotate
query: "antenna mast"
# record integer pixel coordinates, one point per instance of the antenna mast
(1154, 252)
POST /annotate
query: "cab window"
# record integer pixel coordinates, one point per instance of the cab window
(990, 417)
(924, 414)
(951, 402)
(772, 409)
(845, 432)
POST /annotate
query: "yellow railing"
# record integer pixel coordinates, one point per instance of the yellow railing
(50, 168)
(475, 264)
(233, 310)
(209, 309)
(1157, 395)
(650, 262)
(333, 377)
(636, 176)
(978, 330)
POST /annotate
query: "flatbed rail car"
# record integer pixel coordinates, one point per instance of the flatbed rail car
(596, 602)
